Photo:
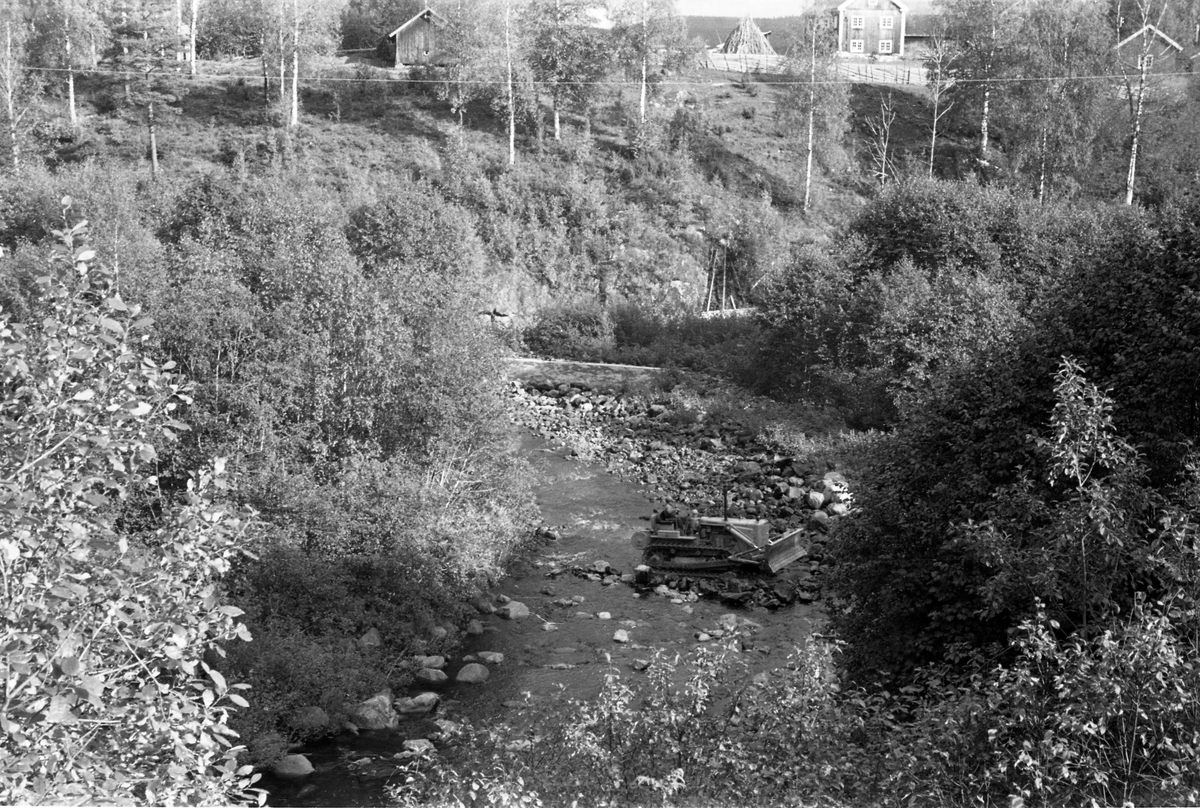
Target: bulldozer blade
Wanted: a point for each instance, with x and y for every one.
(784, 550)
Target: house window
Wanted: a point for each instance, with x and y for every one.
(856, 46)
(1145, 62)
(885, 22)
(885, 46)
(857, 22)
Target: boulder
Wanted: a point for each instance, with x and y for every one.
(490, 657)
(418, 704)
(431, 676)
(371, 639)
(439, 632)
(815, 499)
(621, 636)
(484, 606)
(472, 673)
(474, 628)
(728, 621)
(310, 720)
(430, 661)
(513, 610)
(376, 713)
(601, 567)
(603, 616)
(292, 766)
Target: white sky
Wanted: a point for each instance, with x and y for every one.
(726, 8)
(761, 8)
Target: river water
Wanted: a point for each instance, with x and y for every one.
(597, 513)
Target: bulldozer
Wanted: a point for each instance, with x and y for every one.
(716, 544)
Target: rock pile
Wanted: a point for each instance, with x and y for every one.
(699, 464)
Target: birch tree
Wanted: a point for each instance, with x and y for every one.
(939, 66)
(981, 31)
(568, 56)
(65, 36)
(817, 99)
(647, 32)
(491, 61)
(1137, 71)
(1053, 113)
(18, 84)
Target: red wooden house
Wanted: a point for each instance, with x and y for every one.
(871, 27)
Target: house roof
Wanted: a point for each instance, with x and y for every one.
(1156, 32)
(428, 12)
(902, 6)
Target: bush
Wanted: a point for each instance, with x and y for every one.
(108, 627)
(694, 731)
(581, 331)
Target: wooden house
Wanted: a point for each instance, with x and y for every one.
(871, 27)
(1163, 54)
(420, 41)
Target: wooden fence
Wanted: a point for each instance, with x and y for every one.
(860, 72)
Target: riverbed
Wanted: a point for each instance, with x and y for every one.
(567, 643)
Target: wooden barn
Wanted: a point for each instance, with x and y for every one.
(420, 41)
(871, 27)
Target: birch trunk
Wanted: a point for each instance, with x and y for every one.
(512, 109)
(10, 92)
(1131, 177)
(153, 140)
(812, 119)
(195, 19)
(645, 57)
(71, 75)
(295, 117)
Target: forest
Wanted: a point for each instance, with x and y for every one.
(250, 409)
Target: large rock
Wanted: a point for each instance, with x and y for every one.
(310, 720)
(472, 673)
(490, 657)
(430, 661)
(513, 610)
(376, 713)
(815, 499)
(292, 766)
(431, 676)
(418, 704)
(371, 639)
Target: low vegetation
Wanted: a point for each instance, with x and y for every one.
(253, 410)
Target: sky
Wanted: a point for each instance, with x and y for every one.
(725, 8)
(757, 8)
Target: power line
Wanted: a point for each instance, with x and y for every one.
(604, 83)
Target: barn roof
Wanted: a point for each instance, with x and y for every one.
(1156, 32)
(428, 14)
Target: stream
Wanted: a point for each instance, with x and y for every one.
(596, 513)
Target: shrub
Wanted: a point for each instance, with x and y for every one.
(106, 630)
(579, 330)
